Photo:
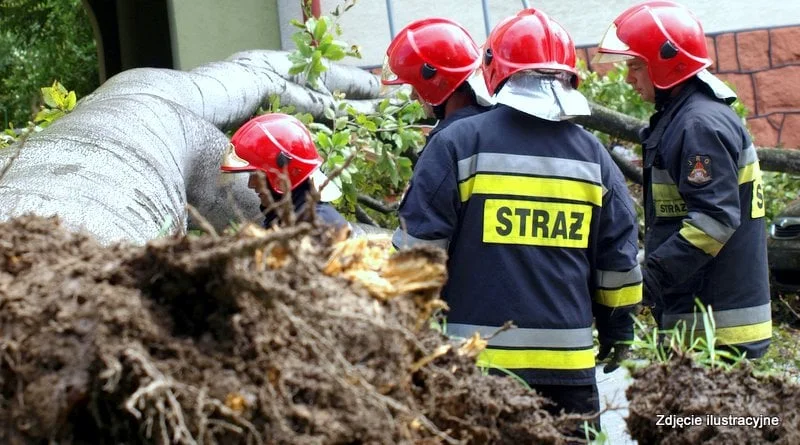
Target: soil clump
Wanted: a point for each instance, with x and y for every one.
(662, 393)
(293, 336)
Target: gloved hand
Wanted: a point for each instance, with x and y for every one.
(621, 352)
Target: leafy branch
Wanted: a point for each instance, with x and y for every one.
(317, 42)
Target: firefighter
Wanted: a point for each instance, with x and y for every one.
(278, 147)
(439, 59)
(704, 196)
(535, 217)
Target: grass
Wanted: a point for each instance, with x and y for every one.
(782, 359)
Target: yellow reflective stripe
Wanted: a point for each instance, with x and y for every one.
(700, 239)
(491, 184)
(749, 173)
(740, 334)
(666, 192)
(744, 334)
(625, 296)
(668, 201)
(536, 359)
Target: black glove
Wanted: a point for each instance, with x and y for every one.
(621, 351)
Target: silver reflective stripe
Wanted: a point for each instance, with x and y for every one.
(725, 319)
(711, 226)
(526, 337)
(402, 240)
(748, 156)
(609, 279)
(529, 165)
(660, 176)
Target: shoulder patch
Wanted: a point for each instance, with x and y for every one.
(700, 172)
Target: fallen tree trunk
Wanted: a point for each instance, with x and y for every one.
(130, 157)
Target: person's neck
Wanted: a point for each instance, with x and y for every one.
(457, 101)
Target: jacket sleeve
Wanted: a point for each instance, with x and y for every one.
(429, 209)
(618, 287)
(707, 177)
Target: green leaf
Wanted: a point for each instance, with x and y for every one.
(329, 113)
(71, 101)
(323, 141)
(320, 28)
(50, 97)
(334, 52)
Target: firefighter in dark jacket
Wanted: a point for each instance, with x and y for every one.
(439, 59)
(278, 151)
(536, 218)
(704, 197)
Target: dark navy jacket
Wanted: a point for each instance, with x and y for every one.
(325, 211)
(704, 213)
(540, 230)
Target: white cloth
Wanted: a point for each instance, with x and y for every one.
(330, 192)
(722, 91)
(544, 95)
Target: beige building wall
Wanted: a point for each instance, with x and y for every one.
(367, 23)
(205, 31)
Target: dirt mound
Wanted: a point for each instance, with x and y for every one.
(262, 337)
(681, 402)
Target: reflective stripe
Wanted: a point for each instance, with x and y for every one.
(726, 318)
(711, 226)
(660, 176)
(530, 166)
(403, 240)
(700, 239)
(536, 359)
(526, 337)
(616, 289)
(733, 326)
(625, 296)
(666, 192)
(748, 156)
(490, 184)
(749, 173)
(744, 334)
(610, 279)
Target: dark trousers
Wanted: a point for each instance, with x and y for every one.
(583, 399)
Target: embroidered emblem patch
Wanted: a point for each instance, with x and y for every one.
(700, 169)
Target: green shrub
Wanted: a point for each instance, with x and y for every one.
(42, 41)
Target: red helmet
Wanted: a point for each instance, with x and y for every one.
(272, 143)
(528, 41)
(433, 55)
(664, 34)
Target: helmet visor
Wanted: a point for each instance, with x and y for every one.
(611, 49)
(388, 77)
(231, 162)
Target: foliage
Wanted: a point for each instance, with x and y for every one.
(779, 190)
(376, 142)
(659, 346)
(612, 91)
(57, 101)
(40, 41)
(316, 42)
(782, 358)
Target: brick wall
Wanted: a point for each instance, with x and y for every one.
(764, 67)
